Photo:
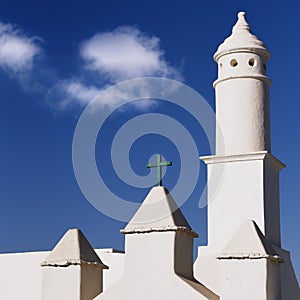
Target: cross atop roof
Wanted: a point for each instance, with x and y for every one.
(159, 164)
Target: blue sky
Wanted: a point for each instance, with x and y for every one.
(50, 69)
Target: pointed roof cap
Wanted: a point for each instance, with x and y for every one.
(158, 212)
(241, 39)
(73, 249)
(249, 243)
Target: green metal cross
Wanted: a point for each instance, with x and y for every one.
(159, 164)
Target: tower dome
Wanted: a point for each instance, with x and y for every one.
(241, 40)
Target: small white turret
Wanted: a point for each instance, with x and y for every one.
(158, 254)
(242, 93)
(72, 270)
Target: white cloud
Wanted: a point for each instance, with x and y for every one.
(82, 93)
(17, 51)
(69, 93)
(126, 53)
(122, 54)
(75, 92)
(108, 58)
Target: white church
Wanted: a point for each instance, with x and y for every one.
(243, 259)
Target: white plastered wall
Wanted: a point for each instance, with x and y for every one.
(241, 194)
(24, 271)
(249, 279)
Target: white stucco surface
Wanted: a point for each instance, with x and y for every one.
(243, 181)
(159, 254)
(158, 212)
(24, 270)
(72, 270)
(21, 275)
(242, 194)
(115, 260)
(242, 93)
(61, 283)
(241, 38)
(73, 248)
(246, 279)
(250, 266)
(243, 258)
(289, 284)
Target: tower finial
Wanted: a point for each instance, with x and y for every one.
(241, 23)
(241, 39)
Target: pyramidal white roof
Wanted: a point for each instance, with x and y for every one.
(241, 39)
(158, 212)
(249, 242)
(73, 249)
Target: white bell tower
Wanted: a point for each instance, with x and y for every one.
(248, 187)
(242, 93)
(243, 177)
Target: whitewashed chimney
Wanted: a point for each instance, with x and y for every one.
(72, 270)
(158, 254)
(243, 176)
(242, 93)
(250, 263)
(243, 181)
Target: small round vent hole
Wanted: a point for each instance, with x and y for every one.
(233, 63)
(251, 62)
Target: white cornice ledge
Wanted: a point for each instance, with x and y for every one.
(261, 155)
(72, 262)
(160, 229)
(274, 258)
(259, 77)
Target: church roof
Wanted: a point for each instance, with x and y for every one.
(158, 212)
(241, 39)
(73, 249)
(249, 243)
